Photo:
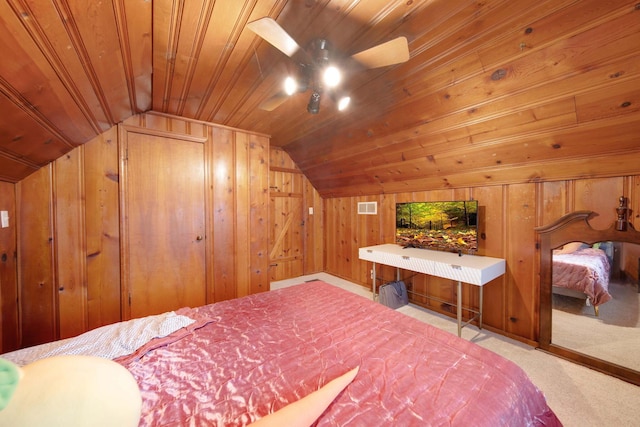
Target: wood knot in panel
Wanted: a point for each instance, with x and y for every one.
(498, 74)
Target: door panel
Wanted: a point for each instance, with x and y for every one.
(165, 224)
(286, 255)
(37, 294)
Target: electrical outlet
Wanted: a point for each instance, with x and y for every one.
(371, 274)
(4, 218)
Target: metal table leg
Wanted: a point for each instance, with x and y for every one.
(459, 308)
(374, 281)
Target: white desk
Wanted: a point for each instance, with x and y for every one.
(473, 269)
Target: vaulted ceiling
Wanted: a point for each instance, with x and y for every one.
(494, 91)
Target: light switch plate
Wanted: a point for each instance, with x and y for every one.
(4, 218)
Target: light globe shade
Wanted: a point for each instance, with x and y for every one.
(331, 76)
(290, 85)
(343, 103)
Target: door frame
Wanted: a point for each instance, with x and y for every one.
(123, 137)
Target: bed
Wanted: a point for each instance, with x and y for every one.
(582, 271)
(233, 362)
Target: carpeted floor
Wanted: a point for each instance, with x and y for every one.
(579, 396)
(613, 335)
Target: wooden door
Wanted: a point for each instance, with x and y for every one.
(286, 254)
(164, 227)
(9, 321)
(36, 281)
(287, 217)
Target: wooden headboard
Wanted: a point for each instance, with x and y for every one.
(575, 227)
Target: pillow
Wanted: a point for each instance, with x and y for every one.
(572, 247)
(10, 375)
(306, 411)
(607, 248)
(70, 391)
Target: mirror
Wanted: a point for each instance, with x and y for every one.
(608, 341)
(595, 301)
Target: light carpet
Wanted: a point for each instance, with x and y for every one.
(613, 335)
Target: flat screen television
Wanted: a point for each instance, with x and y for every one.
(445, 226)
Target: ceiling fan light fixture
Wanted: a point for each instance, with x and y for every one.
(343, 103)
(290, 85)
(317, 72)
(331, 76)
(314, 103)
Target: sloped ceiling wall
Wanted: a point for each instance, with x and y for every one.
(493, 93)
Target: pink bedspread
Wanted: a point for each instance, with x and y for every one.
(586, 270)
(256, 354)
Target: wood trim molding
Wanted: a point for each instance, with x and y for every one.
(125, 308)
(161, 133)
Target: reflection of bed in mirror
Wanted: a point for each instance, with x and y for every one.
(583, 271)
(607, 343)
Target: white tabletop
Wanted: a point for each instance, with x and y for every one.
(475, 269)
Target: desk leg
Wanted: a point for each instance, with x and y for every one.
(374, 281)
(459, 307)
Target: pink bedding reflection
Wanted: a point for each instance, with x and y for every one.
(586, 270)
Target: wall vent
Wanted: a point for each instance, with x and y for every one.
(367, 208)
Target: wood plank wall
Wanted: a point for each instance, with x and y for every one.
(508, 215)
(68, 222)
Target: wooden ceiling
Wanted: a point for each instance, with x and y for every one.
(495, 91)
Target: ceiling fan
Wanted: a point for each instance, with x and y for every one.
(318, 69)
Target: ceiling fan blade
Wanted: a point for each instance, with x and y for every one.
(274, 102)
(269, 30)
(392, 52)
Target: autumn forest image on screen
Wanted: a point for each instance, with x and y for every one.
(446, 226)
